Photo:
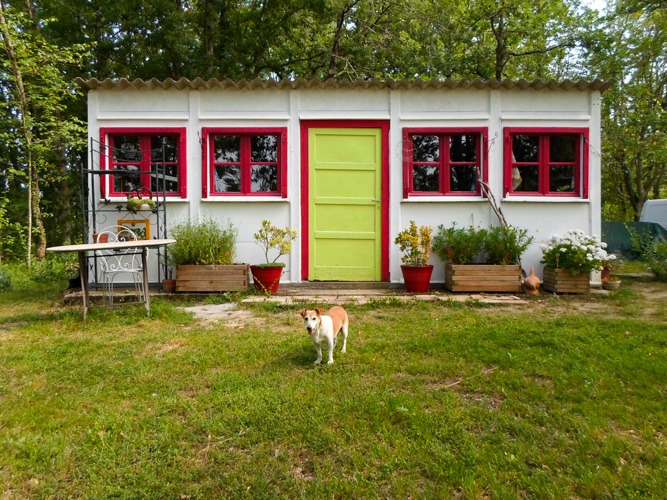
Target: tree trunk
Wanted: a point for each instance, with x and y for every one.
(34, 210)
(336, 45)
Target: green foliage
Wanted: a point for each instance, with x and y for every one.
(134, 204)
(576, 251)
(415, 243)
(54, 268)
(5, 278)
(650, 251)
(205, 242)
(505, 245)
(271, 237)
(459, 245)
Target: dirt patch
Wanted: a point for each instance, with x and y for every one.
(229, 313)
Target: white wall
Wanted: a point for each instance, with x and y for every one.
(494, 109)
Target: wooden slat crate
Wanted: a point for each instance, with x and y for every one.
(483, 278)
(205, 278)
(562, 281)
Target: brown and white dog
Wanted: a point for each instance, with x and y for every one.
(324, 328)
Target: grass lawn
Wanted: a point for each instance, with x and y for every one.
(561, 398)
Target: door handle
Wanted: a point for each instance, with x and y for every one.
(375, 200)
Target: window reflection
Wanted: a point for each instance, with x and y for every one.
(526, 148)
(264, 178)
(530, 178)
(426, 178)
(463, 148)
(426, 148)
(228, 178)
(562, 148)
(463, 178)
(264, 148)
(227, 149)
(561, 179)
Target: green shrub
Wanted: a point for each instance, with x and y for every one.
(54, 268)
(652, 252)
(657, 260)
(505, 245)
(5, 279)
(206, 242)
(462, 245)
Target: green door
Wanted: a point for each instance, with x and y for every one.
(344, 175)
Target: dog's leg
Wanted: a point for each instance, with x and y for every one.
(330, 346)
(319, 355)
(344, 331)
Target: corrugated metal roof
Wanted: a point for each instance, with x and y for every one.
(302, 83)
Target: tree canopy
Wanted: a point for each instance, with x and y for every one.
(358, 39)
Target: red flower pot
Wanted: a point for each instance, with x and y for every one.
(417, 278)
(266, 278)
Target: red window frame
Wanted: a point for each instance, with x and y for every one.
(107, 186)
(208, 160)
(444, 164)
(544, 135)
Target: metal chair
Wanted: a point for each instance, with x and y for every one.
(120, 261)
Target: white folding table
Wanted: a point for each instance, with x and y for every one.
(81, 249)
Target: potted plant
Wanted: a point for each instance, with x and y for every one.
(138, 203)
(415, 243)
(482, 260)
(610, 281)
(204, 255)
(168, 283)
(269, 237)
(569, 259)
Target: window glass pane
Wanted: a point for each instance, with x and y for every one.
(227, 148)
(129, 182)
(426, 178)
(126, 148)
(561, 148)
(426, 148)
(561, 179)
(528, 178)
(463, 148)
(228, 178)
(463, 178)
(263, 148)
(171, 178)
(170, 145)
(525, 148)
(264, 178)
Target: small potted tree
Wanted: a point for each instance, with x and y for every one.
(415, 243)
(267, 276)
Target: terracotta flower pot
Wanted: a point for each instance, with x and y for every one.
(267, 278)
(168, 286)
(100, 238)
(417, 278)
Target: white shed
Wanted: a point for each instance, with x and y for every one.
(349, 164)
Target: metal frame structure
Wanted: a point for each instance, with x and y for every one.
(96, 210)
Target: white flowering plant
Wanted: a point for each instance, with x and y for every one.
(576, 251)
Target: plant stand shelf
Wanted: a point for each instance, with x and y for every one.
(483, 278)
(562, 281)
(212, 278)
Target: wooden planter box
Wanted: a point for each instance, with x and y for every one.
(483, 278)
(562, 281)
(212, 278)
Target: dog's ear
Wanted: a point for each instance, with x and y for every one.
(318, 311)
(302, 312)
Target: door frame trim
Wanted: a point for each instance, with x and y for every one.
(383, 125)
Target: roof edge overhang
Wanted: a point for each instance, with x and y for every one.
(302, 83)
